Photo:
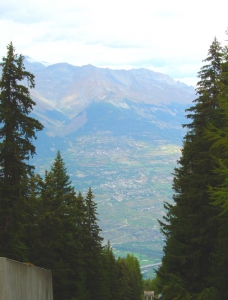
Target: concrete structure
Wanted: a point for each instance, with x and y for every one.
(148, 295)
(20, 281)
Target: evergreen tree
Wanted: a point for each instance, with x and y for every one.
(95, 273)
(123, 277)
(91, 220)
(219, 154)
(58, 243)
(111, 273)
(191, 225)
(33, 212)
(124, 284)
(17, 131)
(219, 261)
(136, 283)
(218, 135)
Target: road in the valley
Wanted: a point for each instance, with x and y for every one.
(151, 265)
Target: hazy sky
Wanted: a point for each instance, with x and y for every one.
(167, 36)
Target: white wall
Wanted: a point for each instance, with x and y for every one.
(19, 281)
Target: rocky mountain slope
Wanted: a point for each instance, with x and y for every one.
(66, 95)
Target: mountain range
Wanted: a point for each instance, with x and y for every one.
(119, 132)
(66, 95)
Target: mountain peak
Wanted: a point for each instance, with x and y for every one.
(34, 61)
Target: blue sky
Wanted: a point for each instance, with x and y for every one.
(171, 37)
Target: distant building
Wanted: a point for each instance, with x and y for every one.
(149, 295)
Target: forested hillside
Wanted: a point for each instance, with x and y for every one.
(43, 221)
(195, 261)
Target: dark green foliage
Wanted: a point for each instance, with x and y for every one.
(92, 251)
(195, 227)
(191, 224)
(111, 273)
(218, 135)
(174, 290)
(152, 285)
(219, 260)
(17, 130)
(210, 293)
(123, 277)
(57, 244)
(124, 290)
(219, 154)
(136, 283)
(90, 224)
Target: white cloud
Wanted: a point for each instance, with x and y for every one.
(170, 36)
